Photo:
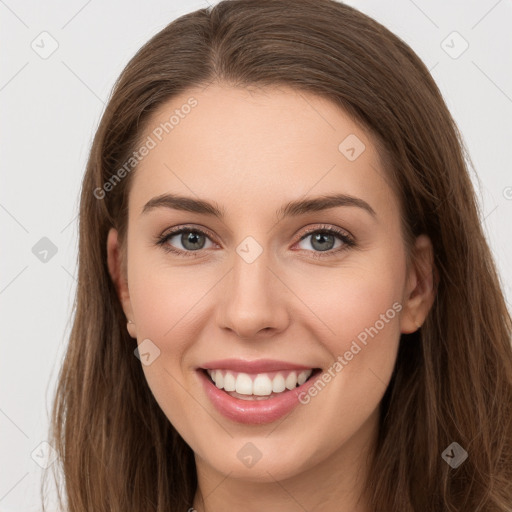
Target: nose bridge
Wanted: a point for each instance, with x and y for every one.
(252, 301)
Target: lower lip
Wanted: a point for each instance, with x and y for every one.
(254, 412)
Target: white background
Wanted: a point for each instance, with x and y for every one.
(51, 107)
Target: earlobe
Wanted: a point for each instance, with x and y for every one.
(115, 267)
(419, 293)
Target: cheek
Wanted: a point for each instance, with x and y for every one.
(359, 301)
(165, 306)
(165, 299)
(169, 308)
(361, 308)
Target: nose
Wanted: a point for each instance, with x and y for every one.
(252, 301)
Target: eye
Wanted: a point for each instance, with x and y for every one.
(323, 240)
(190, 240)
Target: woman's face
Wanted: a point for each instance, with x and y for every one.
(255, 277)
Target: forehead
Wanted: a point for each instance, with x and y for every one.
(254, 144)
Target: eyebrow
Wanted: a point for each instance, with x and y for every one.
(291, 209)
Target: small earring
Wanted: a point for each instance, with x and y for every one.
(128, 323)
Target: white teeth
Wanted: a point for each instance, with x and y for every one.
(243, 384)
(303, 377)
(262, 385)
(219, 379)
(291, 381)
(278, 384)
(229, 382)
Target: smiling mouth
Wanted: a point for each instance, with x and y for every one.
(260, 386)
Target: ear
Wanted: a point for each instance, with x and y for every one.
(115, 268)
(419, 292)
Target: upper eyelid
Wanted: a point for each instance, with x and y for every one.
(177, 230)
(331, 229)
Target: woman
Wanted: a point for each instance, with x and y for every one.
(285, 298)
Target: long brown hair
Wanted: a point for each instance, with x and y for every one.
(452, 380)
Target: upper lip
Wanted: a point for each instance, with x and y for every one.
(255, 366)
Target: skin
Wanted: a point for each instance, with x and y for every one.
(250, 151)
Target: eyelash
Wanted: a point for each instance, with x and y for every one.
(348, 242)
